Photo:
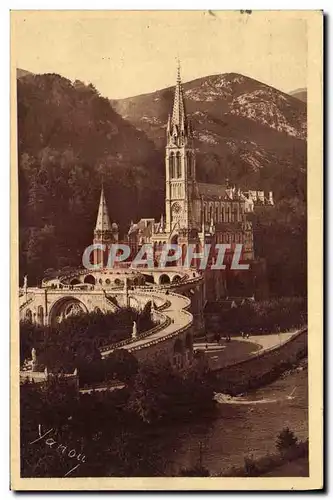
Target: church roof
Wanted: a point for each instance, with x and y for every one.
(143, 227)
(103, 221)
(229, 227)
(212, 190)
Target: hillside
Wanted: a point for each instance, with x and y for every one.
(245, 130)
(20, 73)
(300, 94)
(70, 140)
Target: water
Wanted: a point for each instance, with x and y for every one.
(248, 426)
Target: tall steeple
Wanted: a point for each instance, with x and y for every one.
(178, 126)
(179, 165)
(103, 221)
(105, 233)
(178, 112)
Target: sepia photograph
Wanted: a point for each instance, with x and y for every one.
(166, 249)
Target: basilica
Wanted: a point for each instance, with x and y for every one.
(196, 213)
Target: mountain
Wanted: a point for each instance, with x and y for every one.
(245, 130)
(300, 94)
(20, 73)
(70, 139)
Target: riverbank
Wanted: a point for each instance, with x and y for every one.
(261, 367)
(223, 439)
(275, 464)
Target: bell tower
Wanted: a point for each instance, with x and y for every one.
(105, 233)
(179, 165)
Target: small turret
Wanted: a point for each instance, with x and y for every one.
(162, 224)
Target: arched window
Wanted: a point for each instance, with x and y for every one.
(172, 165)
(206, 211)
(228, 218)
(178, 165)
(189, 163)
(28, 315)
(40, 315)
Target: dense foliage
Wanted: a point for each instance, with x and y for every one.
(267, 316)
(75, 342)
(70, 139)
(157, 388)
(108, 428)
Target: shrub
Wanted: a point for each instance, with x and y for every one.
(286, 440)
(250, 467)
(196, 471)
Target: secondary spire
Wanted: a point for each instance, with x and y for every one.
(103, 221)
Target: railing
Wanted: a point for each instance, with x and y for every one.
(115, 306)
(26, 303)
(165, 337)
(164, 306)
(111, 347)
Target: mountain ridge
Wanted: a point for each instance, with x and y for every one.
(242, 127)
(301, 94)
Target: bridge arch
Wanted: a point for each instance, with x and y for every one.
(90, 279)
(176, 279)
(149, 278)
(66, 307)
(75, 281)
(164, 279)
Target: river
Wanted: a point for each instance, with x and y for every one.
(249, 426)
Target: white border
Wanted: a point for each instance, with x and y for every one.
(4, 176)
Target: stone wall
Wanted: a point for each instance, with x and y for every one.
(261, 368)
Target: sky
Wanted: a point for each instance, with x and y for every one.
(134, 52)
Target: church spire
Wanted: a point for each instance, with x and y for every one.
(103, 221)
(179, 119)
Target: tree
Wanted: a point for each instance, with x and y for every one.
(120, 364)
(286, 440)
